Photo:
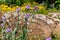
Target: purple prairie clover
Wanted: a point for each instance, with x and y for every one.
(8, 30)
(27, 7)
(27, 16)
(3, 18)
(48, 38)
(2, 24)
(18, 9)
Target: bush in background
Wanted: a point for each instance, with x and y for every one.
(14, 2)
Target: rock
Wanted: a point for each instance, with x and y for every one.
(50, 21)
(54, 15)
(59, 24)
(37, 25)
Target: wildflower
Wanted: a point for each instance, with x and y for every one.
(27, 7)
(23, 8)
(26, 18)
(18, 9)
(2, 24)
(31, 7)
(8, 30)
(41, 7)
(3, 18)
(27, 15)
(35, 3)
(48, 38)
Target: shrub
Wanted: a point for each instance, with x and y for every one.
(15, 2)
(57, 4)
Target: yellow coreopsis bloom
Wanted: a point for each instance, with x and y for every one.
(41, 7)
(4, 9)
(9, 8)
(14, 8)
(35, 2)
(25, 4)
(2, 5)
(23, 8)
(31, 8)
(28, 3)
(5, 6)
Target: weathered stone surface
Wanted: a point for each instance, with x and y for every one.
(39, 24)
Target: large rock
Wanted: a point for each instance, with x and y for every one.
(37, 25)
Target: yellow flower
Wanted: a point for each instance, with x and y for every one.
(14, 8)
(31, 7)
(4, 5)
(17, 6)
(28, 3)
(4, 9)
(35, 2)
(23, 8)
(9, 9)
(25, 4)
(41, 7)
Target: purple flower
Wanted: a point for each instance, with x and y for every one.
(3, 18)
(18, 9)
(2, 24)
(8, 30)
(27, 16)
(48, 38)
(27, 7)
